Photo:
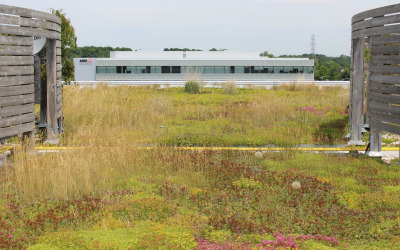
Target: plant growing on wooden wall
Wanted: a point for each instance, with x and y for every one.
(68, 42)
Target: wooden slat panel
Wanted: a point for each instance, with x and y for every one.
(16, 130)
(16, 50)
(393, 79)
(385, 108)
(385, 69)
(16, 60)
(59, 98)
(385, 49)
(385, 59)
(16, 70)
(16, 90)
(383, 30)
(385, 98)
(16, 40)
(382, 40)
(384, 88)
(16, 120)
(17, 110)
(16, 100)
(376, 22)
(59, 106)
(376, 13)
(16, 80)
(23, 31)
(5, 9)
(384, 126)
(384, 117)
(29, 22)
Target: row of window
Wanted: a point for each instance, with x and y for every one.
(204, 70)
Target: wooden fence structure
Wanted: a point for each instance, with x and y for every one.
(375, 61)
(18, 94)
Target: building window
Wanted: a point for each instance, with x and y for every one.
(209, 70)
(111, 70)
(166, 69)
(101, 70)
(176, 69)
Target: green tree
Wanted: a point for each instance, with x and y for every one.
(267, 54)
(68, 42)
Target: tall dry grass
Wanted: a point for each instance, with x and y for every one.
(94, 171)
(113, 115)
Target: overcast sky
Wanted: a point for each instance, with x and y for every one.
(278, 26)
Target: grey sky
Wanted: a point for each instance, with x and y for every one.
(280, 27)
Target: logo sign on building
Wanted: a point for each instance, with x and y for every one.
(85, 61)
(38, 44)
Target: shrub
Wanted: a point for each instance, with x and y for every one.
(192, 87)
(229, 87)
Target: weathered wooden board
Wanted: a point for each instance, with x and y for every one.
(385, 69)
(16, 120)
(11, 10)
(385, 98)
(395, 8)
(393, 79)
(16, 40)
(29, 22)
(16, 100)
(383, 40)
(16, 130)
(382, 30)
(385, 117)
(17, 110)
(384, 89)
(16, 70)
(17, 90)
(385, 49)
(377, 124)
(16, 50)
(16, 60)
(375, 22)
(26, 31)
(385, 59)
(16, 80)
(385, 108)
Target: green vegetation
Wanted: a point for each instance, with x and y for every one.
(179, 49)
(329, 68)
(129, 198)
(289, 115)
(112, 194)
(68, 42)
(94, 52)
(192, 87)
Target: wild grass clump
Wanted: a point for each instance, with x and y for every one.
(192, 87)
(229, 87)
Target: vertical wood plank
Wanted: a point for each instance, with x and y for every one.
(357, 83)
(52, 129)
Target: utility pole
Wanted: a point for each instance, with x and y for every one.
(313, 44)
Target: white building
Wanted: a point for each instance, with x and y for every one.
(201, 65)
